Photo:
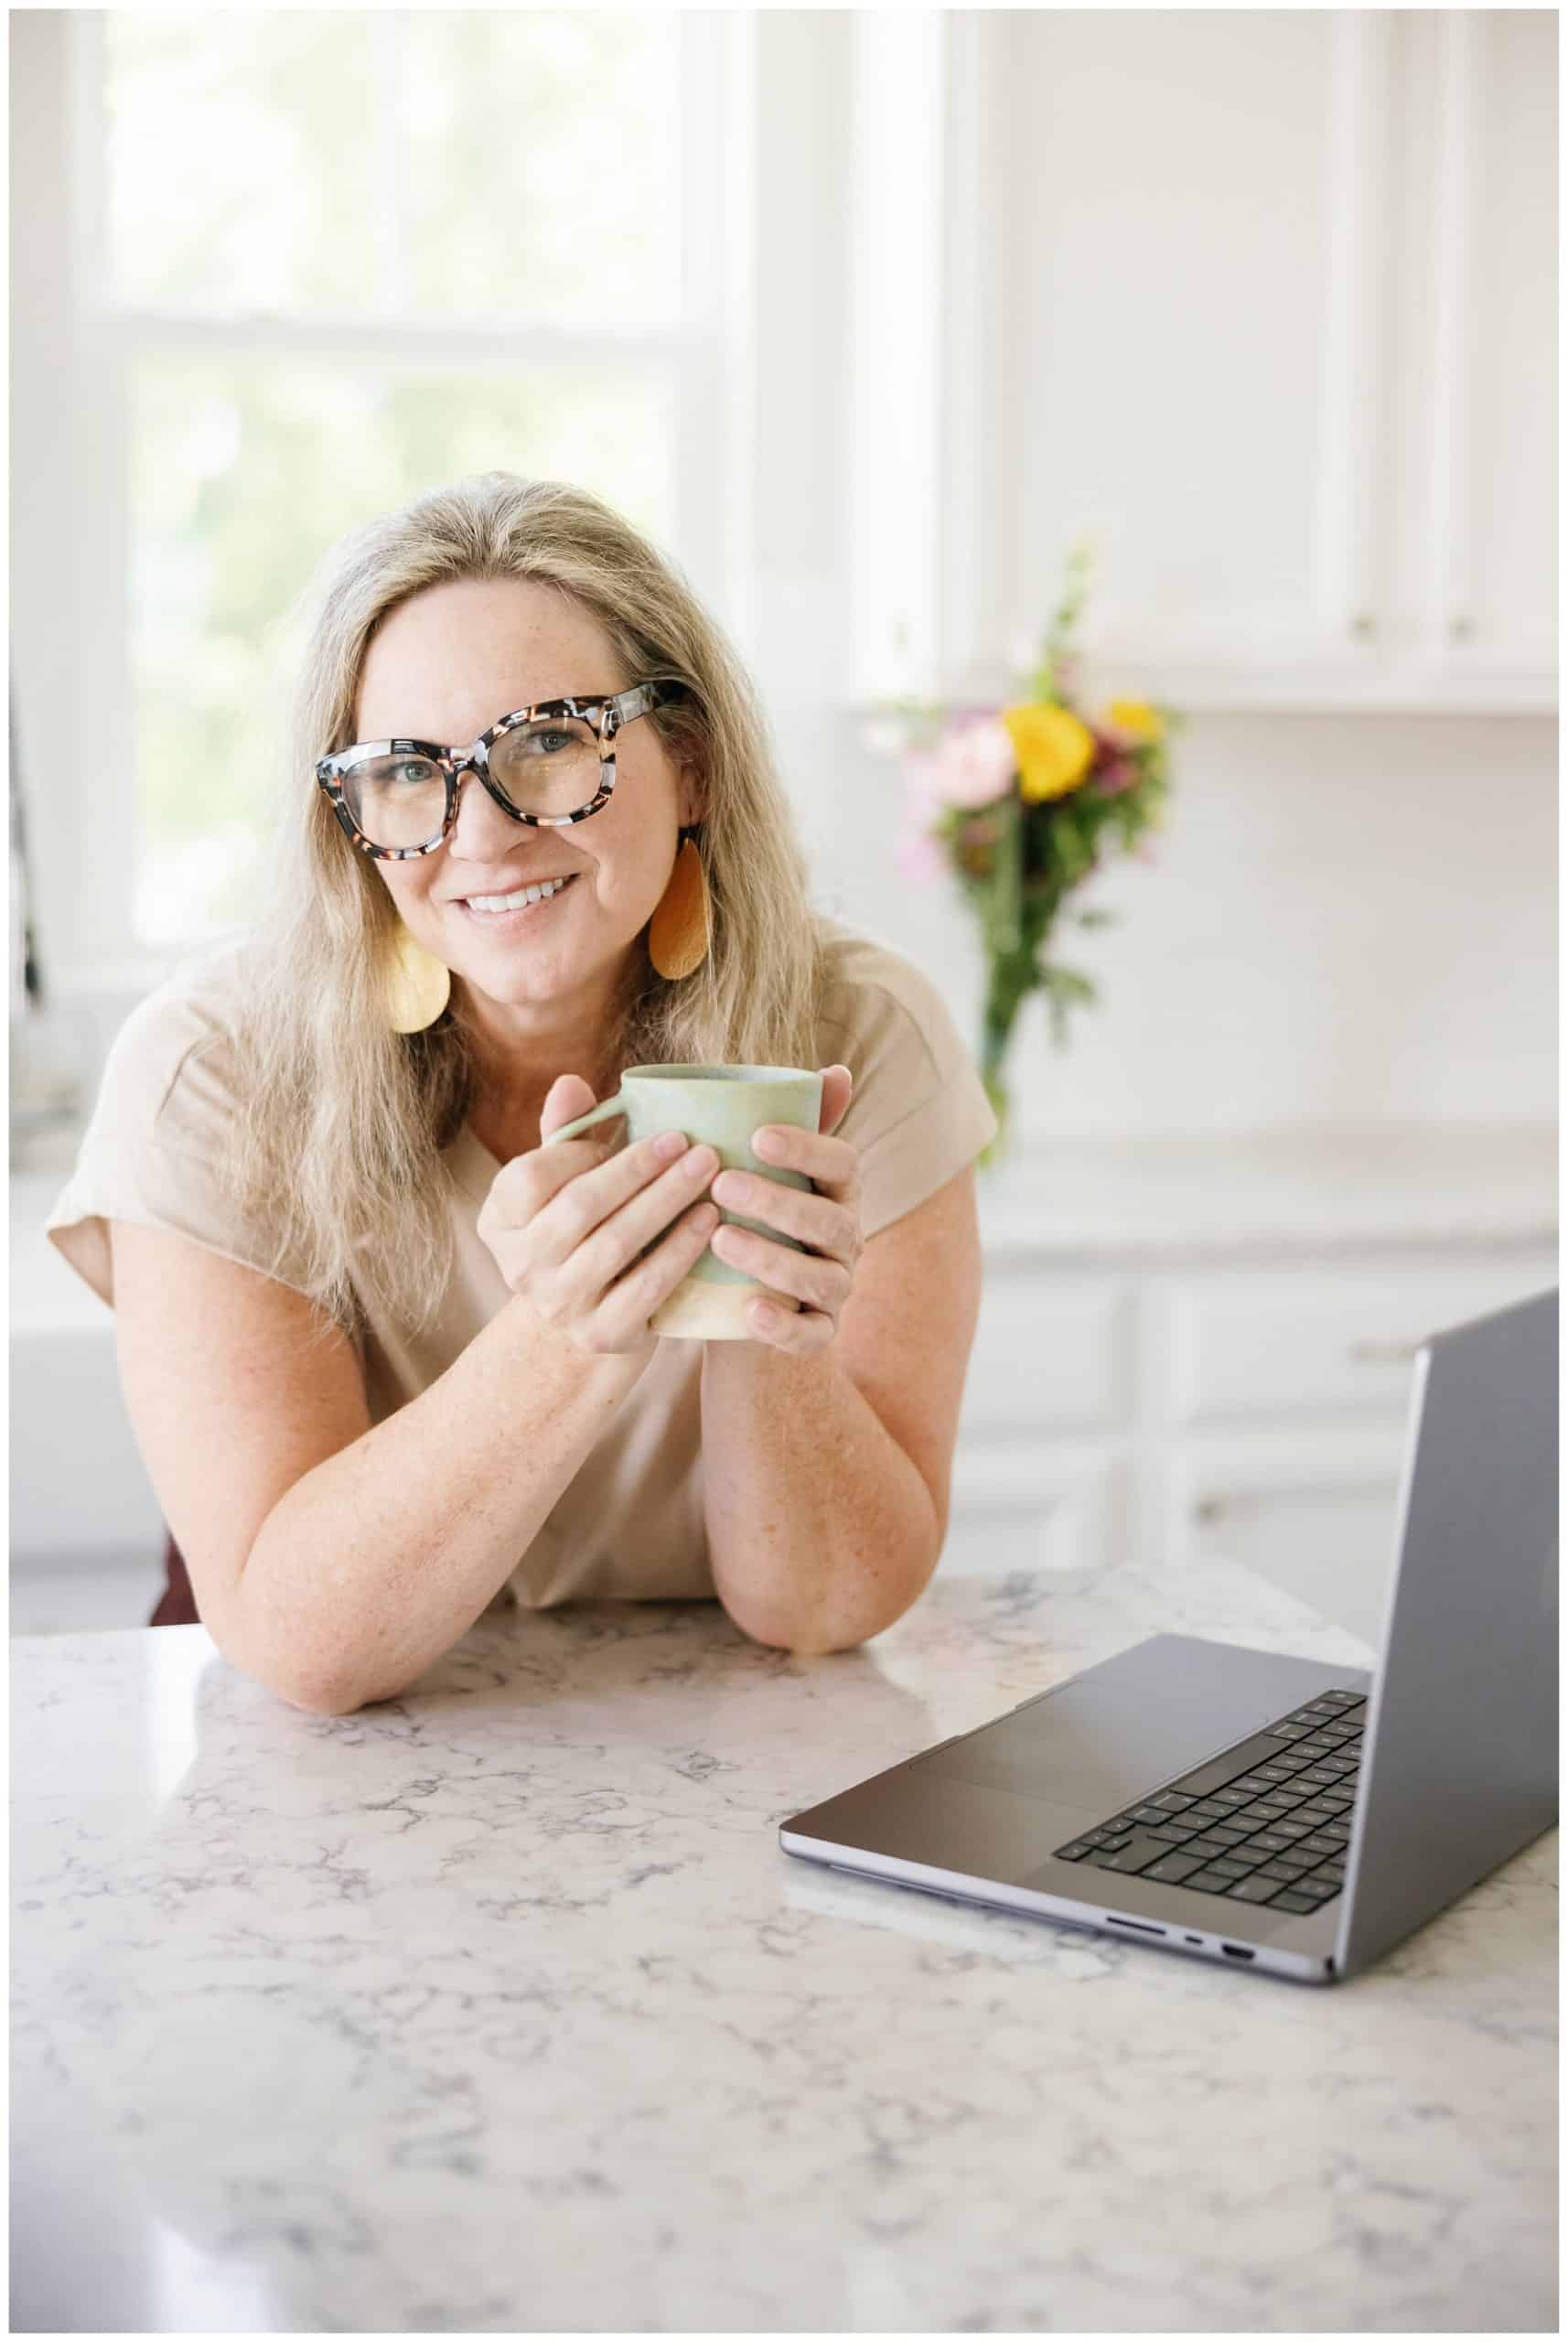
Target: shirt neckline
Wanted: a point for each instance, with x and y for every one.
(472, 1164)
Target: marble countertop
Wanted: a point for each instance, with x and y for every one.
(498, 2007)
(1278, 1193)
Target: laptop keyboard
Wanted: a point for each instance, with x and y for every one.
(1267, 1823)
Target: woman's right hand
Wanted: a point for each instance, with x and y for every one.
(567, 1225)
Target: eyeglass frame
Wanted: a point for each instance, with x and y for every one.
(610, 711)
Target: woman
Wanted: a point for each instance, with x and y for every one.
(387, 1357)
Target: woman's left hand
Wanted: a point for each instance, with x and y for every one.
(826, 1223)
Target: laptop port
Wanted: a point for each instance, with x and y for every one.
(1238, 1951)
(1144, 1926)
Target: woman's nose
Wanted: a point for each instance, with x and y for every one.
(480, 827)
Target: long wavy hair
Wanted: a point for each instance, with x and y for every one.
(342, 1120)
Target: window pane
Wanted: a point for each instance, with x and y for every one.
(538, 169)
(515, 163)
(241, 475)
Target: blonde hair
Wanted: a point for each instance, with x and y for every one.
(342, 1120)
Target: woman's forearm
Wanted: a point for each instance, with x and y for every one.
(820, 1530)
(378, 1560)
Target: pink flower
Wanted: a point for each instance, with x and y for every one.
(922, 786)
(974, 763)
(1119, 773)
(920, 858)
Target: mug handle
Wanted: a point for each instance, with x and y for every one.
(600, 1113)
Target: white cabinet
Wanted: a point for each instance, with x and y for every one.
(1167, 1409)
(1284, 343)
(1325, 1341)
(1057, 1505)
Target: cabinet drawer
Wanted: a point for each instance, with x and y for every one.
(1313, 1513)
(1057, 1508)
(1257, 1343)
(1049, 1353)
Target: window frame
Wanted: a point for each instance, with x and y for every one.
(71, 547)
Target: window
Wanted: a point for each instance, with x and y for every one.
(319, 262)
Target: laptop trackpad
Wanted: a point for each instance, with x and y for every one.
(1115, 1732)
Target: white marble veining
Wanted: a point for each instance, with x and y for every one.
(498, 2007)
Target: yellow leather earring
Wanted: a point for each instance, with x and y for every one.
(415, 986)
(679, 931)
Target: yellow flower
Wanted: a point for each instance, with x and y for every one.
(1134, 716)
(1055, 750)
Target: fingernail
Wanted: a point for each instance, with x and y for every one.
(668, 1144)
(768, 1142)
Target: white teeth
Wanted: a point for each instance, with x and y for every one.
(515, 902)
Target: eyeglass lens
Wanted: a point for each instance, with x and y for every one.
(547, 767)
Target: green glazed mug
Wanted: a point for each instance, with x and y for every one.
(722, 1104)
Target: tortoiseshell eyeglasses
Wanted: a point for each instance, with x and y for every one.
(549, 766)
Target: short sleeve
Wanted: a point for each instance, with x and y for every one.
(920, 1111)
(163, 1127)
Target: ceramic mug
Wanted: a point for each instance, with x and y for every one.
(722, 1104)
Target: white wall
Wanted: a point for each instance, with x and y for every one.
(1351, 919)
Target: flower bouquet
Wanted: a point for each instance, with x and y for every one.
(1022, 804)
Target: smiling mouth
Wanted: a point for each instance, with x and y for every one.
(523, 899)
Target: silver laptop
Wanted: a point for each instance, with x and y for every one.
(1297, 1815)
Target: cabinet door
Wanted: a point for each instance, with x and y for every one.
(1312, 1513)
(1331, 1340)
(1058, 1508)
(1051, 1353)
(1475, 469)
(1179, 320)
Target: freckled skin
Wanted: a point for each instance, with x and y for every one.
(444, 666)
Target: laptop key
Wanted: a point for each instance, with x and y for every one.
(1210, 1881)
(1253, 1889)
(1174, 1868)
(1075, 1853)
(1140, 1851)
(1221, 1771)
(1289, 1900)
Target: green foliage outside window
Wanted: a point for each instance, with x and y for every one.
(433, 171)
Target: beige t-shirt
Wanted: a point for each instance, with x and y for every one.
(631, 1522)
